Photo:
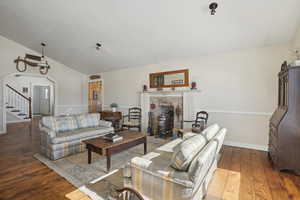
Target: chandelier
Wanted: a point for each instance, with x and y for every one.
(33, 61)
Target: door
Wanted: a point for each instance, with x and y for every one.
(95, 96)
(41, 100)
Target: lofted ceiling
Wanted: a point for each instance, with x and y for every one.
(140, 32)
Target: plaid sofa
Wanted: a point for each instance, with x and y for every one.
(62, 136)
(155, 178)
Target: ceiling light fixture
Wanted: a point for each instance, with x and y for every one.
(213, 6)
(98, 46)
(33, 61)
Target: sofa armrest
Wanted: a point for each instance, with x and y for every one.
(141, 166)
(46, 136)
(51, 133)
(105, 123)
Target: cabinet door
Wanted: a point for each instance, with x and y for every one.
(95, 96)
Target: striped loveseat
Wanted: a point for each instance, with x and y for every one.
(62, 136)
(180, 169)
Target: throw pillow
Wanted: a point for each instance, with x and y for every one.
(210, 131)
(67, 123)
(186, 151)
(88, 120)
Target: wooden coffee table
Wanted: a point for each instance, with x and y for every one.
(105, 148)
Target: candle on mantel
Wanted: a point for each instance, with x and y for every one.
(145, 88)
(194, 85)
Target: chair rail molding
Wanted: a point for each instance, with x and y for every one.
(64, 106)
(234, 112)
(71, 109)
(238, 112)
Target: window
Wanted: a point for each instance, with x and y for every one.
(46, 93)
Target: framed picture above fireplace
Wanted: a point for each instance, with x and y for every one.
(178, 78)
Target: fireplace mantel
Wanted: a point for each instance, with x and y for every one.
(188, 97)
(167, 92)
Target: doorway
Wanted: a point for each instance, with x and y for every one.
(42, 100)
(95, 95)
(24, 84)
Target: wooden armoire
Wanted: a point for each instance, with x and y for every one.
(284, 136)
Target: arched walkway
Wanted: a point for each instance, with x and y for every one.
(26, 95)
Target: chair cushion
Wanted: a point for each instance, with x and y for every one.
(210, 131)
(60, 124)
(88, 120)
(185, 152)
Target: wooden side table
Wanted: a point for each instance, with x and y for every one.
(114, 117)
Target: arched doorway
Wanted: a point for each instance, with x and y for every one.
(26, 95)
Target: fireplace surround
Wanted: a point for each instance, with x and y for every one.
(152, 100)
(162, 116)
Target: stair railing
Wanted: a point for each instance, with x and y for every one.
(19, 101)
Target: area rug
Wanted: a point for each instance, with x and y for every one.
(76, 170)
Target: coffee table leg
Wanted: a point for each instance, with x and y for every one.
(145, 147)
(108, 160)
(89, 156)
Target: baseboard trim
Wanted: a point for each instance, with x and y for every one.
(18, 121)
(245, 145)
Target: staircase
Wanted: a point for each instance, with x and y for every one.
(17, 104)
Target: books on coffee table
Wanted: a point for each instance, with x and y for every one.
(113, 137)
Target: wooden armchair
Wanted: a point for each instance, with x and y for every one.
(199, 124)
(134, 119)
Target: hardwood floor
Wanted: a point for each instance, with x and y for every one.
(21, 175)
(243, 173)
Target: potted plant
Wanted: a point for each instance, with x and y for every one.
(114, 107)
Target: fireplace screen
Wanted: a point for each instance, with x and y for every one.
(165, 115)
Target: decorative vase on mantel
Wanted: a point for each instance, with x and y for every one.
(194, 86)
(145, 89)
(114, 107)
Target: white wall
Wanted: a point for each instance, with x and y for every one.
(71, 85)
(239, 89)
(297, 39)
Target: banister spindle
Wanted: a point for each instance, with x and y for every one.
(18, 101)
(22, 106)
(15, 100)
(8, 97)
(30, 109)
